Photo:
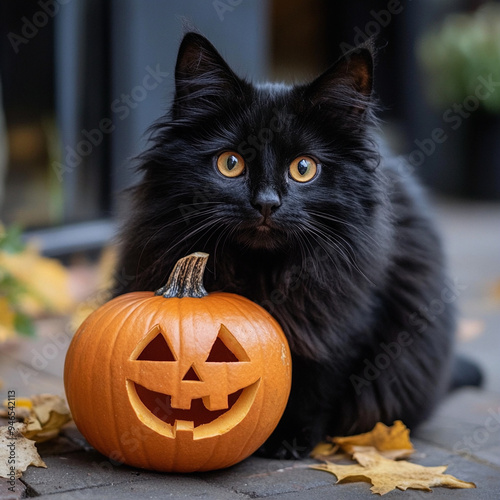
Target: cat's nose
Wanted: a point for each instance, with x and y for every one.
(266, 201)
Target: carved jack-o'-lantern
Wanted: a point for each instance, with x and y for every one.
(180, 380)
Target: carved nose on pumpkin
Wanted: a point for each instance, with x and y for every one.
(191, 374)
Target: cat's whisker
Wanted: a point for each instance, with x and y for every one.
(336, 235)
(204, 231)
(200, 226)
(319, 231)
(302, 242)
(164, 227)
(177, 207)
(226, 233)
(345, 223)
(313, 254)
(346, 252)
(329, 230)
(315, 231)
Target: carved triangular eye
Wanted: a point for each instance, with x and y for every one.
(220, 353)
(155, 347)
(226, 349)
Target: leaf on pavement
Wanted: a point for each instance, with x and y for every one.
(43, 414)
(391, 442)
(16, 452)
(386, 475)
(49, 414)
(325, 451)
(22, 409)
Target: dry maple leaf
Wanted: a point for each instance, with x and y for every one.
(43, 414)
(49, 414)
(391, 442)
(390, 454)
(386, 475)
(325, 451)
(23, 408)
(394, 439)
(16, 452)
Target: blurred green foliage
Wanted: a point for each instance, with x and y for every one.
(12, 318)
(454, 55)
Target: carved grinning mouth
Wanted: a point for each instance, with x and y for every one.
(154, 409)
(160, 406)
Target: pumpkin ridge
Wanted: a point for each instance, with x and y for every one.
(115, 312)
(124, 318)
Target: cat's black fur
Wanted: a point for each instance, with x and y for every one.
(349, 263)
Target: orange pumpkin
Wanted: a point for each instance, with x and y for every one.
(180, 380)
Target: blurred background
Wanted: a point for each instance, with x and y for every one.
(81, 81)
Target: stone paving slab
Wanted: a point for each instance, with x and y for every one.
(24, 379)
(467, 424)
(165, 487)
(59, 446)
(6, 494)
(480, 406)
(260, 478)
(466, 439)
(80, 470)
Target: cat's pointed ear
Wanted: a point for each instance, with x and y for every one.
(201, 74)
(348, 83)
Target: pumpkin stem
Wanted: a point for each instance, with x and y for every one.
(186, 280)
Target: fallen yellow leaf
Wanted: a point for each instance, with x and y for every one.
(20, 402)
(391, 442)
(23, 408)
(48, 415)
(13, 445)
(43, 414)
(386, 475)
(324, 451)
(391, 454)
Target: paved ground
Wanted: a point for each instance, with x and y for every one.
(464, 433)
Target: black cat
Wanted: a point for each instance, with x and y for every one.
(288, 191)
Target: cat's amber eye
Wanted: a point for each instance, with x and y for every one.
(303, 169)
(230, 164)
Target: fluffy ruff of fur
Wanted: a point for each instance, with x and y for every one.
(349, 264)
